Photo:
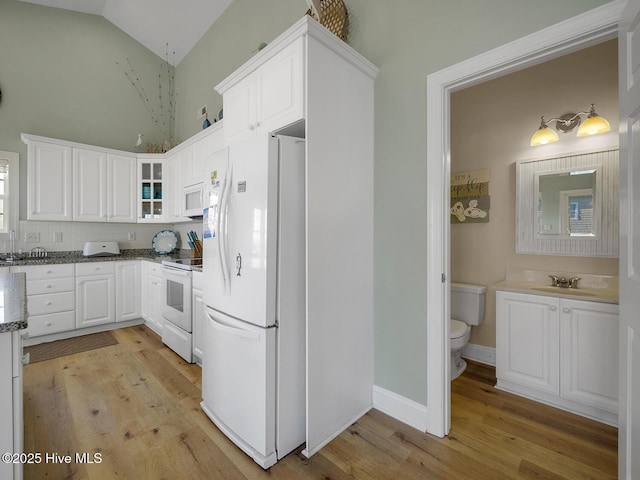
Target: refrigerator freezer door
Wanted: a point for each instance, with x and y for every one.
(240, 247)
(238, 383)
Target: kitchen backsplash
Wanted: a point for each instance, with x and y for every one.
(69, 236)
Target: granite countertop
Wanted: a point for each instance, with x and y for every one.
(594, 288)
(76, 257)
(13, 289)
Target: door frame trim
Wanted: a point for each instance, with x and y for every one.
(579, 32)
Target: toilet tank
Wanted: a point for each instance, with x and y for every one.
(467, 303)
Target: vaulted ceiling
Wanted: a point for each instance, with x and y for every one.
(163, 26)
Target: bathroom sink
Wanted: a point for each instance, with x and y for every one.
(564, 291)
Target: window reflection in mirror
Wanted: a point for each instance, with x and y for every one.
(566, 205)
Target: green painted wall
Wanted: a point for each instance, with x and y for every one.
(67, 86)
(59, 78)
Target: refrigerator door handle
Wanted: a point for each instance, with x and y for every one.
(221, 226)
(224, 237)
(232, 330)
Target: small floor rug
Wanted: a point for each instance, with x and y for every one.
(69, 346)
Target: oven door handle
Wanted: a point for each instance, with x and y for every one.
(176, 271)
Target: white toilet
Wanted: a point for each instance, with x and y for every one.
(467, 309)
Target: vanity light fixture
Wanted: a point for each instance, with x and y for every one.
(593, 125)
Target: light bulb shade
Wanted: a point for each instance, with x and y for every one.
(543, 136)
(593, 125)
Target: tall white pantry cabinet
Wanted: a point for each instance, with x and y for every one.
(309, 83)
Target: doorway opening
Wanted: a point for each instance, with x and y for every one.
(588, 29)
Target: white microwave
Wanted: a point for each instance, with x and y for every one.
(192, 201)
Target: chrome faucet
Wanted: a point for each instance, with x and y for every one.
(563, 282)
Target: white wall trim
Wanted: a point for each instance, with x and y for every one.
(401, 408)
(480, 353)
(589, 28)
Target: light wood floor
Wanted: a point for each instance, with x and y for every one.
(137, 405)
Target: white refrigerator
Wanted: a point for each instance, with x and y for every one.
(253, 366)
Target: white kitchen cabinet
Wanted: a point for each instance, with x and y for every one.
(190, 163)
(49, 180)
(151, 189)
(559, 351)
(269, 98)
(172, 168)
(11, 420)
(153, 292)
(205, 143)
(121, 188)
(89, 185)
(95, 294)
(74, 182)
(104, 186)
(197, 309)
(128, 287)
(50, 298)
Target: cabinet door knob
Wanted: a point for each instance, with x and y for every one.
(566, 310)
(49, 286)
(48, 303)
(553, 308)
(48, 324)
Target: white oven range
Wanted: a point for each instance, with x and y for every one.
(177, 331)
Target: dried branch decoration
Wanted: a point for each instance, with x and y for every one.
(162, 114)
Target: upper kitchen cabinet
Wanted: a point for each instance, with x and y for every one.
(49, 179)
(201, 145)
(267, 95)
(309, 83)
(104, 186)
(184, 167)
(68, 181)
(121, 188)
(151, 188)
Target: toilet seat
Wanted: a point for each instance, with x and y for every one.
(457, 329)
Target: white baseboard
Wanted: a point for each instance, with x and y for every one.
(401, 408)
(478, 353)
(413, 413)
(30, 341)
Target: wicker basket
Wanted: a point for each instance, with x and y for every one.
(333, 16)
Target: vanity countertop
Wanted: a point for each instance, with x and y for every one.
(13, 289)
(604, 295)
(594, 288)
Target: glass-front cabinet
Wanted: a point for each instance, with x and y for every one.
(151, 195)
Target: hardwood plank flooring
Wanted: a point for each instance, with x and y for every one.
(136, 407)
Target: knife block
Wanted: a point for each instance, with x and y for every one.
(196, 251)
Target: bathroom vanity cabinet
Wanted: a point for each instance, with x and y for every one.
(559, 351)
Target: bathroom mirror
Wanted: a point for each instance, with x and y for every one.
(568, 205)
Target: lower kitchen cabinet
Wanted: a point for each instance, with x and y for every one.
(197, 314)
(128, 289)
(95, 294)
(152, 295)
(559, 351)
(11, 420)
(50, 298)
